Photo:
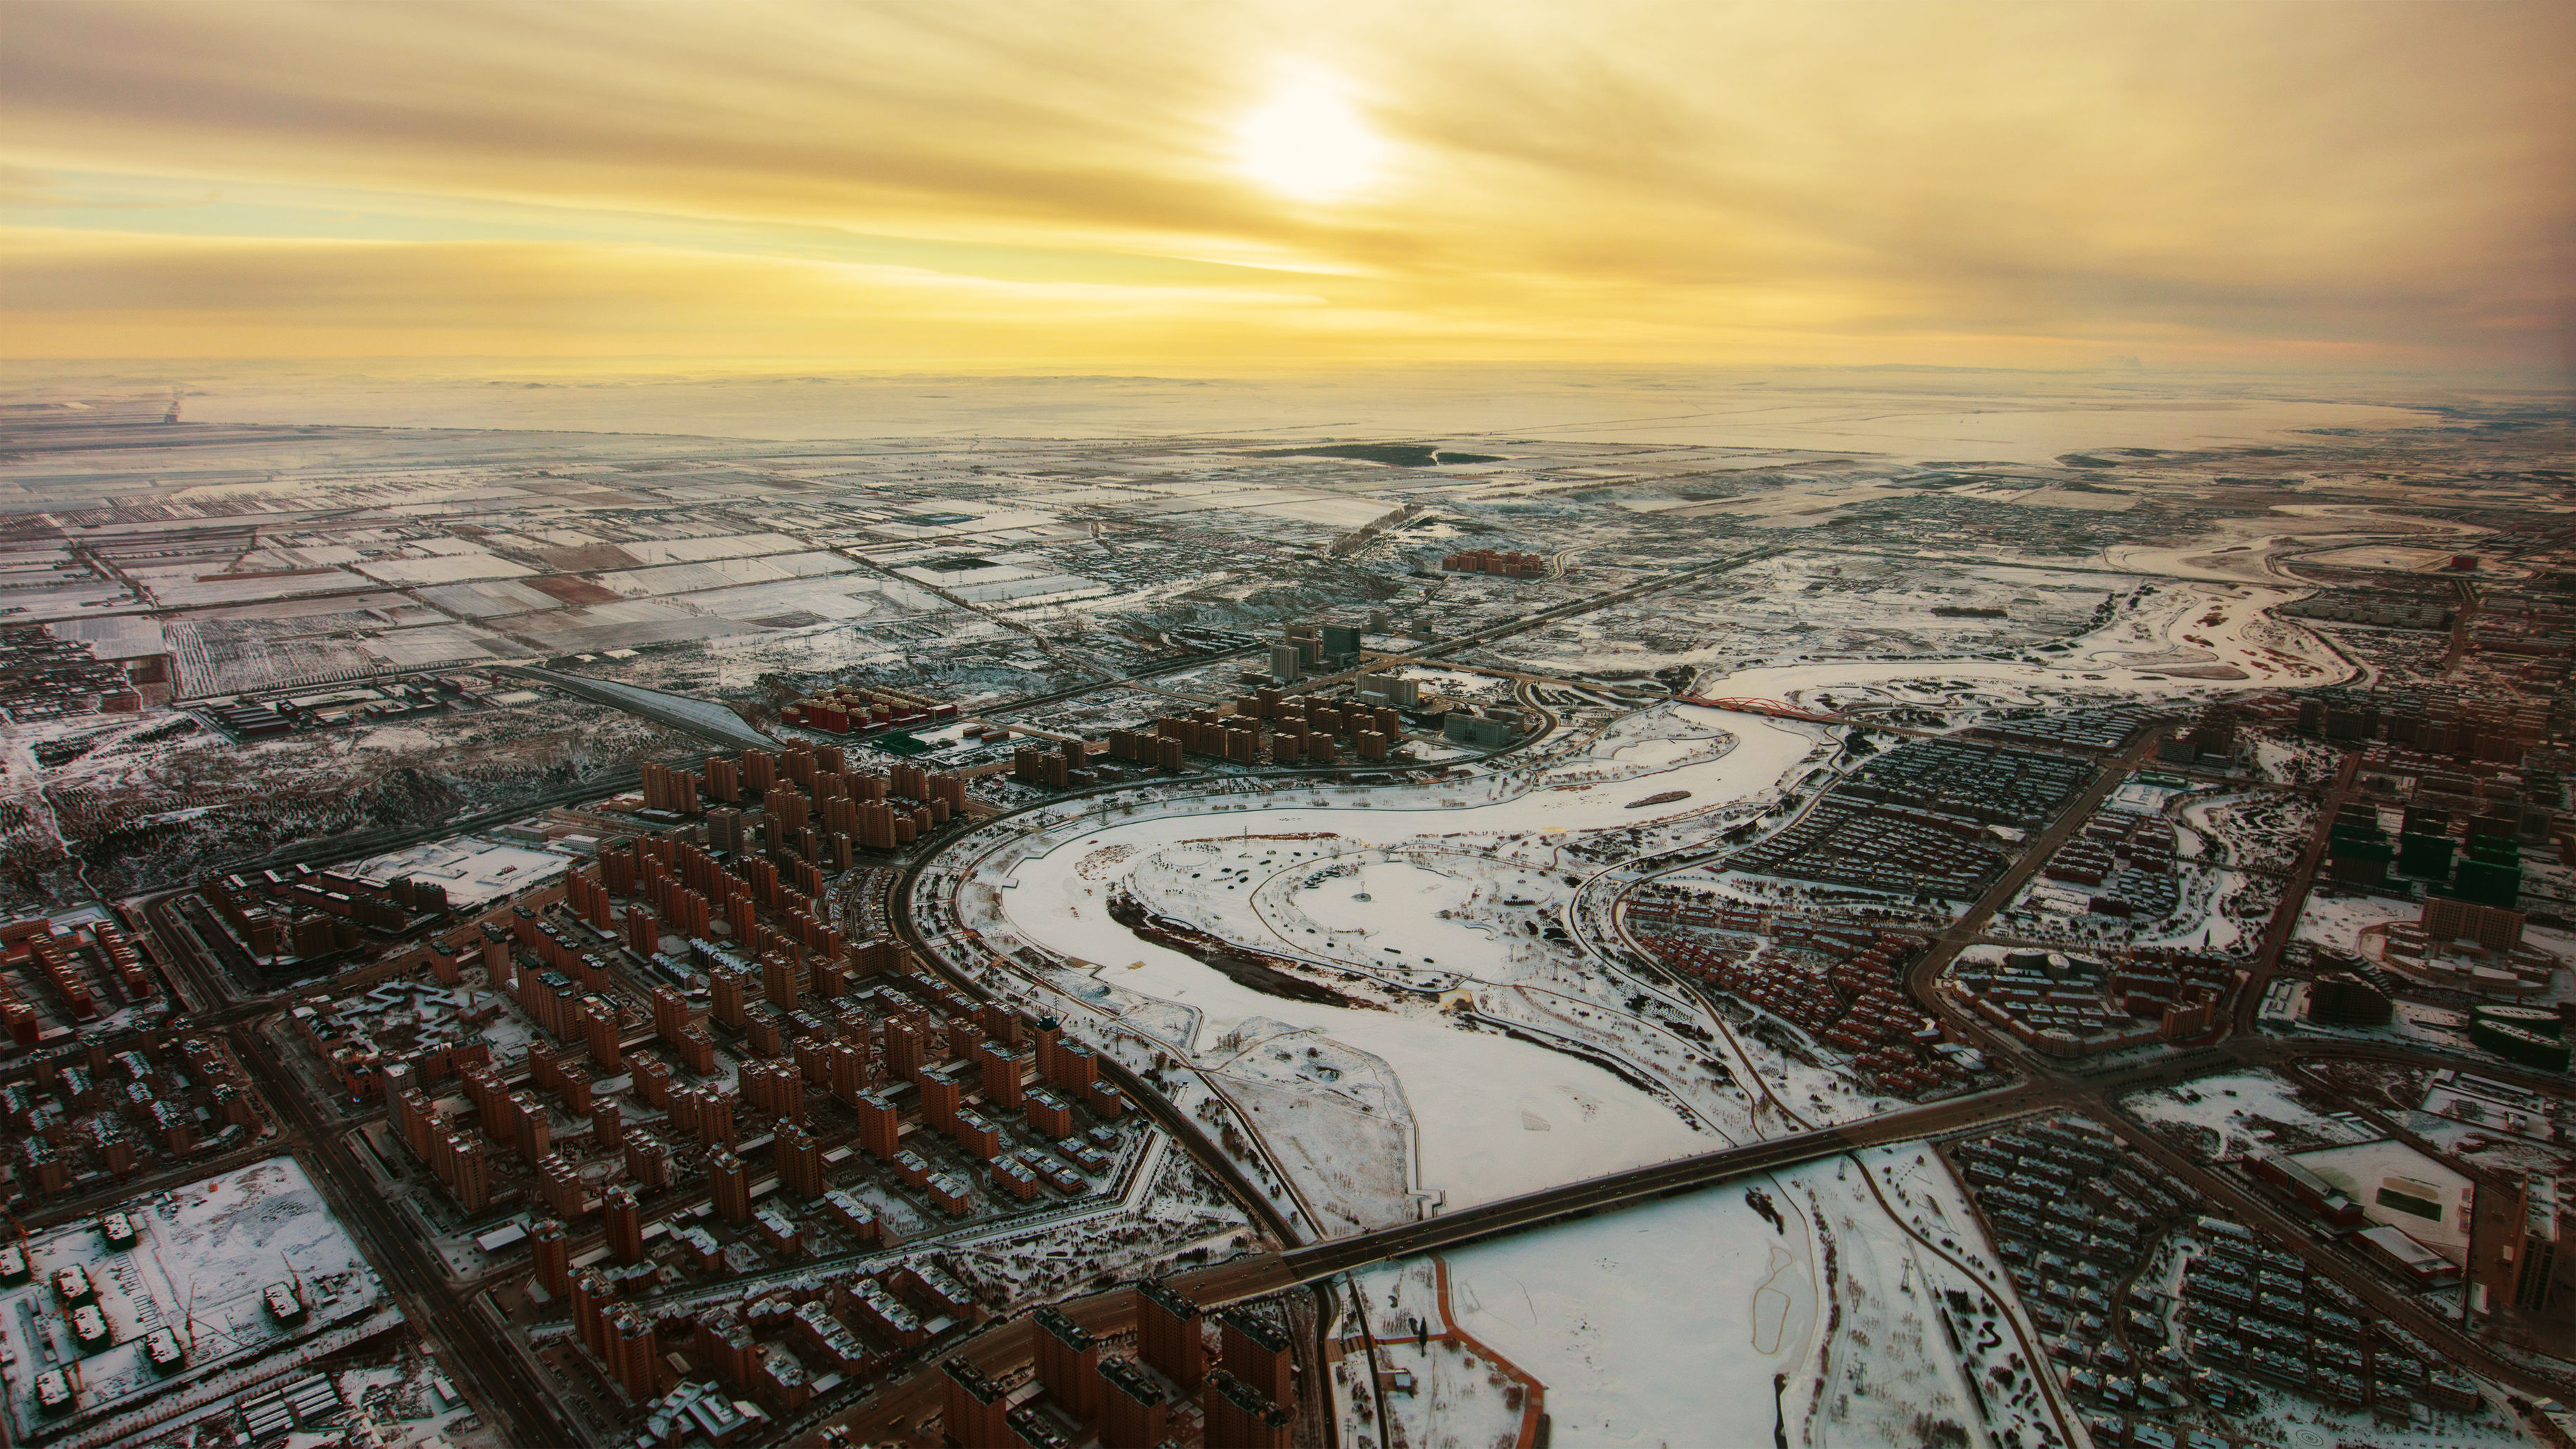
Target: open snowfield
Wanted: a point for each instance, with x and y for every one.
(2188, 637)
(451, 568)
(472, 870)
(2336, 922)
(1487, 1109)
(2252, 550)
(2243, 1112)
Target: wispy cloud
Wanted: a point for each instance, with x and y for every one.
(1041, 184)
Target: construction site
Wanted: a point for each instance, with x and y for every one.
(175, 1304)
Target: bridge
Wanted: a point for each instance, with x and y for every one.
(1772, 707)
(704, 718)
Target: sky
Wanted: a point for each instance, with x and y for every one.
(1194, 187)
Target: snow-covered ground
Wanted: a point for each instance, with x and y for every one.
(207, 1252)
(1443, 1388)
(2336, 922)
(1480, 1101)
(2261, 830)
(2248, 550)
(2483, 1146)
(2181, 639)
(1797, 1304)
(2244, 1112)
(2284, 760)
(473, 870)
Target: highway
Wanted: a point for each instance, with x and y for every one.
(1643, 1184)
(504, 1389)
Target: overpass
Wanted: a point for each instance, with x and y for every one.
(1777, 709)
(1641, 1184)
(688, 714)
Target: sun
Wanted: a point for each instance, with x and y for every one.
(1307, 141)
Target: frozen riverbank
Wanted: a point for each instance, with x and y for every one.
(1493, 1115)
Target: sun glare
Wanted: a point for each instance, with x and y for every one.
(1307, 141)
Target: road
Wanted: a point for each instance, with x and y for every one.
(1920, 978)
(2294, 895)
(503, 1387)
(1634, 1186)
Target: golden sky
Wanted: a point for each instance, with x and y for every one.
(1201, 186)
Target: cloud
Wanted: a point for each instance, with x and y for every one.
(1955, 180)
(91, 294)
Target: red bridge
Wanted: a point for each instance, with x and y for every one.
(1771, 707)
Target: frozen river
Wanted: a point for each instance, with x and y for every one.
(1494, 1116)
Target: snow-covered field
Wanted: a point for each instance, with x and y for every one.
(1479, 1100)
(472, 870)
(2337, 922)
(2184, 637)
(2243, 1112)
(446, 568)
(2249, 550)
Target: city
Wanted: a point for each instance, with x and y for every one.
(1684, 724)
(1164, 942)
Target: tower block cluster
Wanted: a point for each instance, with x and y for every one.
(1139, 1400)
